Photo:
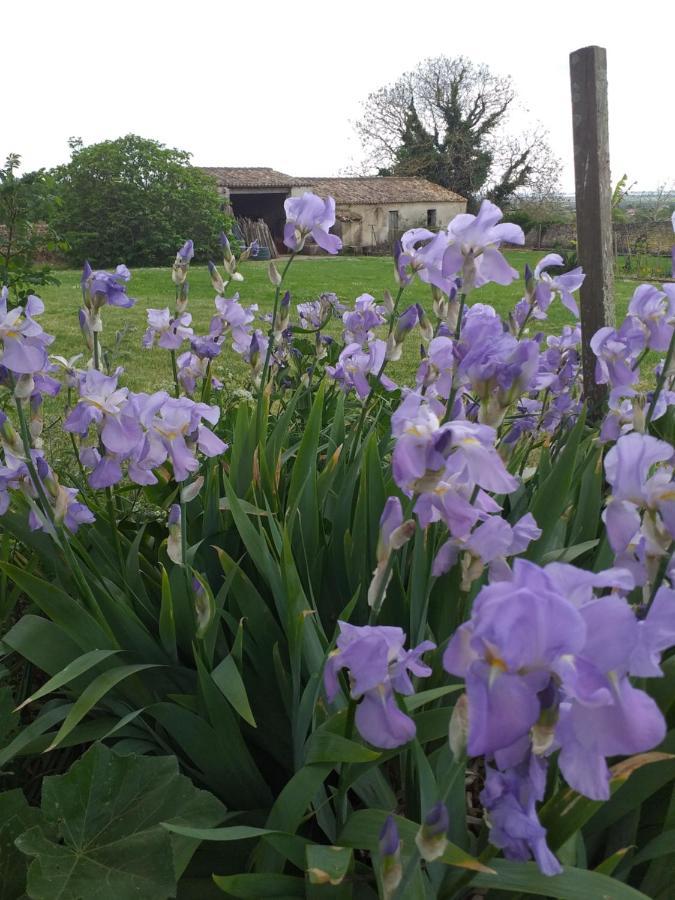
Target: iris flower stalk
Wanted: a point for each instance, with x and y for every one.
(378, 375)
(62, 542)
(268, 354)
(661, 380)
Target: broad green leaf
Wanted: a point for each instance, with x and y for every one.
(90, 696)
(16, 816)
(573, 884)
(325, 747)
(226, 675)
(258, 886)
(78, 667)
(108, 843)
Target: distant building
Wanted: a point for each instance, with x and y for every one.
(371, 211)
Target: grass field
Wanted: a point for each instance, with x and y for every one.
(307, 278)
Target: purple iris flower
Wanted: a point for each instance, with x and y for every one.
(436, 370)
(420, 252)
(547, 286)
(191, 369)
(617, 353)
(425, 449)
(178, 430)
(602, 714)
(474, 246)
(233, 318)
(310, 215)
(655, 309)
(356, 363)
(518, 631)
(206, 347)
(23, 340)
(490, 543)
(166, 330)
(510, 799)
(362, 320)
(378, 666)
(109, 288)
(640, 514)
(186, 252)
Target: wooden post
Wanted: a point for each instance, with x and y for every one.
(588, 77)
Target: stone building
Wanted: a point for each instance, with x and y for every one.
(371, 211)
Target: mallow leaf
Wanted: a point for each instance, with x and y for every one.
(106, 840)
(15, 817)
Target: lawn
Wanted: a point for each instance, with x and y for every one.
(348, 277)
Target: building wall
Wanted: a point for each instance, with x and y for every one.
(374, 228)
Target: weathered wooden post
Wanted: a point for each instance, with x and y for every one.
(588, 76)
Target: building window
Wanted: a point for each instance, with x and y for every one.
(431, 218)
(393, 222)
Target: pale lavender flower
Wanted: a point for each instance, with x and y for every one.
(473, 251)
(362, 320)
(378, 666)
(166, 330)
(23, 340)
(310, 215)
(355, 365)
(617, 353)
(548, 286)
(655, 309)
(108, 288)
(510, 799)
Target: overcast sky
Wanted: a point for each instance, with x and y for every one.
(254, 82)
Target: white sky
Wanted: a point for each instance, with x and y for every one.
(256, 82)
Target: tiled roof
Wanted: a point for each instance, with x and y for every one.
(258, 177)
(380, 189)
(366, 189)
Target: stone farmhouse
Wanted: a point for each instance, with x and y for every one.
(371, 211)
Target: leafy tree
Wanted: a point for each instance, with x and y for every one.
(447, 121)
(136, 201)
(27, 205)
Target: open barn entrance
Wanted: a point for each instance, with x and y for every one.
(267, 205)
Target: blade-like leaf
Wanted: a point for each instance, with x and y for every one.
(98, 688)
(573, 884)
(78, 667)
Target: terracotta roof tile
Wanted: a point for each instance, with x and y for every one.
(258, 177)
(380, 189)
(365, 189)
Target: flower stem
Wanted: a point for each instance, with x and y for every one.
(366, 402)
(97, 352)
(174, 369)
(268, 353)
(661, 379)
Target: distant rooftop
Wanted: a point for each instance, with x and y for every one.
(255, 177)
(381, 189)
(369, 189)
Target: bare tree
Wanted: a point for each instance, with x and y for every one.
(447, 120)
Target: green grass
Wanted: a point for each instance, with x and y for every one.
(307, 278)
